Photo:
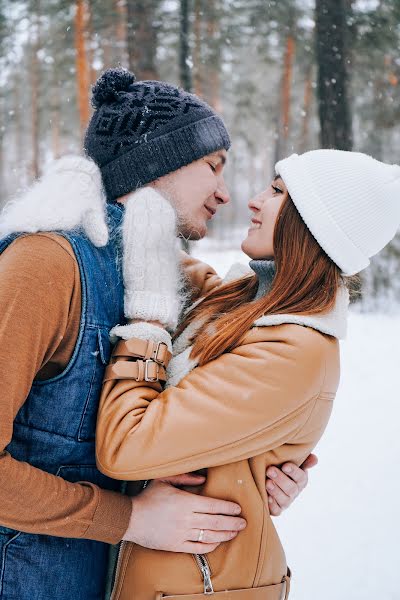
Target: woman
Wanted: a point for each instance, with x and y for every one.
(255, 364)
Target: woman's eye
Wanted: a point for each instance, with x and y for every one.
(213, 168)
(276, 189)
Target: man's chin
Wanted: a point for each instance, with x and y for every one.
(192, 234)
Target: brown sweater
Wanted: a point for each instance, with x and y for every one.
(40, 304)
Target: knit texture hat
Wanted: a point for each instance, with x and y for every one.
(349, 201)
(142, 130)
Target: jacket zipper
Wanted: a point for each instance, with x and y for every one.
(117, 570)
(204, 567)
(201, 562)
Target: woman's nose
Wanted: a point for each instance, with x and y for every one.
(255, 204)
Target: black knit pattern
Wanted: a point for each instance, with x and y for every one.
(143, 130)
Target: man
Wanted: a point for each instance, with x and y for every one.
(60, 294)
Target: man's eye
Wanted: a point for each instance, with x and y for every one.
(276, 189)
(213, 167)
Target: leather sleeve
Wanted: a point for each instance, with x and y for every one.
(240, 405)
(200, 276)
(39, 284)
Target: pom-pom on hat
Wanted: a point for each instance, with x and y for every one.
(349, 201)
(142, 130)
(110, 84)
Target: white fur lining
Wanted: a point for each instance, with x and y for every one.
(179, 366)
(69, 196)
(143, 331)
(236, 271)
(332, 323)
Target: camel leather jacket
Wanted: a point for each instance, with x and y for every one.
(266, 402)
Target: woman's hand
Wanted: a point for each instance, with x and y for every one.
(285, 484)
(151, 259)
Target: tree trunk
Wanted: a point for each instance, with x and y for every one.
(34, 81)
(82, 69)
(212, 83)
(142, 38)
(287, 85)
(55, 122)
(306, 109)
(197, 64)
(19, 128)
(121, 30)
(332, 54)
(185, 68)
(92, 44)
(283, 113)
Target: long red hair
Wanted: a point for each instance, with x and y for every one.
(306, 281)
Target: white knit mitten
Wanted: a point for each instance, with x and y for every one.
(69, 196)
(151, 259)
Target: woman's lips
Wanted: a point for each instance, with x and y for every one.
(254, 225)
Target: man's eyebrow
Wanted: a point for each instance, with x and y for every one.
(221, 157)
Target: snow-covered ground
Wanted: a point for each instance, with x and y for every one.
(342, 536)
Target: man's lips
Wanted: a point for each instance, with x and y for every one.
(211, 210)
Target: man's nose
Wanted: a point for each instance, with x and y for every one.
(222, 193)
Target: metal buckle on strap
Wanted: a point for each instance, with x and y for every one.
(146, 371)
(155, 357)
(286, 586)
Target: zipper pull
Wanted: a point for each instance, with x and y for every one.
(208, 586)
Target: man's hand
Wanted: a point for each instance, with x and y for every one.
(285, 484)
(166, 518)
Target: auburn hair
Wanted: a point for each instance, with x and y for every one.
(306, 281)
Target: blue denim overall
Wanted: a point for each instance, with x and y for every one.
(54, 431)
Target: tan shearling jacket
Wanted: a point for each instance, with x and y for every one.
(266, 402)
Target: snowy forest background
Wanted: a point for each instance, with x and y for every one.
(287, 76)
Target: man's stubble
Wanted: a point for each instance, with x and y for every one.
(186, 228)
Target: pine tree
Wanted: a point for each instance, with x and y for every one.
(142, 37)
(82, 67)
(35, 36)
(184, 47)
(332, 54)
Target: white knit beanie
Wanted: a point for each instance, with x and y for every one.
(349, 201)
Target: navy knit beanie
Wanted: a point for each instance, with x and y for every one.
(141, 130)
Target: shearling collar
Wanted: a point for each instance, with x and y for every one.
(332, 323)
(68, 197)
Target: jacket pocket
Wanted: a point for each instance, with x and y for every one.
(279, 591)
(101, 357)
(142, 573)
(7, 539)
